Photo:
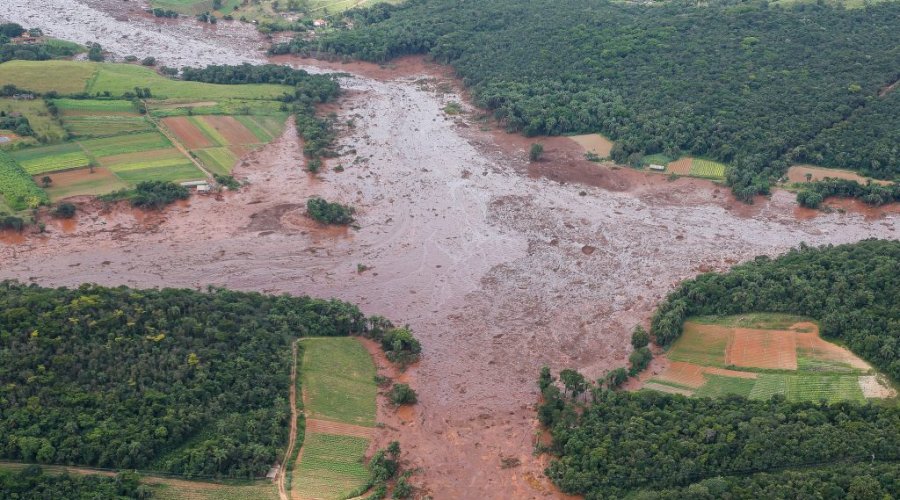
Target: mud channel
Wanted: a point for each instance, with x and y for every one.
(498, 265)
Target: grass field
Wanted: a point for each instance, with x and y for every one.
(65, 77)
(760, 355)
(178, 172)
(331, 466)
(104, 126)
(338, 381)
(46, 128)
(94, 106)
(120, 78)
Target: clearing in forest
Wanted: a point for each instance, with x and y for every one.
(594, 143)
(760, 355)
(798, 174)
(339, 400)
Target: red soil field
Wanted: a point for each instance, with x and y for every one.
(681, 166)
(187, 133)
(232, 130)
(686, 374)
(762, 349)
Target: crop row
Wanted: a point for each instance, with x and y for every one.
(17, 187)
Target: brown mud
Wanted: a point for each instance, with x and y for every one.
(479, 250)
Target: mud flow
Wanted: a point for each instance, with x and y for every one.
(499, 265)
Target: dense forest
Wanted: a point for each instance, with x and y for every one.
(852, 481)
(31, 483)
(852, 290)
(179, 381)
(752, 84)
(628, 441)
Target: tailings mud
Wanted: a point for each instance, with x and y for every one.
(487, 263)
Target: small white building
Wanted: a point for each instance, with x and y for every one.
(658, 168)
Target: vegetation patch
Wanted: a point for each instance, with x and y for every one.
(65, 77)
(44, 126)
(130, 143)
(332, 466)
(218, 363)
(338, 381)
(218, 160)
(16, 187)
(85, 181)
(51, 158)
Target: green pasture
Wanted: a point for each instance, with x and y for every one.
(707, 169)
(338, 380)
(46, 128)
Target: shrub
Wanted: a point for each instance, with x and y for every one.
(156, 194)
(227, 181)
(537, 150)
(809, 198)
(329, 212)
(402, 394)
(639, 337)
(639, 360)
(400, 346)
(149, 61)
(64, 211)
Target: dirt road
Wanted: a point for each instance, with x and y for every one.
(499, 266)
(292, 436)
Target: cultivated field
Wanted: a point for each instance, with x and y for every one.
(339, 394)
(760, 355)
(65, 77)
(220, 140)
(696, 167)
(80, 182)
(84, 118)
(16, 187)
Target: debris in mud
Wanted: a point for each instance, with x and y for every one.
(509, 462)
(587, 249)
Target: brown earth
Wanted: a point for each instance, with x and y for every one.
(188, 133)
(477, 249)
(752, 348)
(797, 173)
(681, 166)
(594, 143)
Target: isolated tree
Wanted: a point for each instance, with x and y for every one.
(537, 150)
(639, 337)
(808, 177)
(46, 181)
(546, 378)
(573, 381)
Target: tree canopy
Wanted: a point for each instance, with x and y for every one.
(171, 380)
(753, 84)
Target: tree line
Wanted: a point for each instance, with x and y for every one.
(755, 85)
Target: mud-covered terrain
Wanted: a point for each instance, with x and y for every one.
(124, 28)
(499, 266)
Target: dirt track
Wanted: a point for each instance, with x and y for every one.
(499, 266)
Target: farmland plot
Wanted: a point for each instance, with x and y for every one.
(16, 187)
(761, 355)
(52, 158)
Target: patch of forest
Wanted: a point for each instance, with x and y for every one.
(752, 84)
(172, 380)
(853, 291)
(624, 442)
(610, 444)
(32, 483)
